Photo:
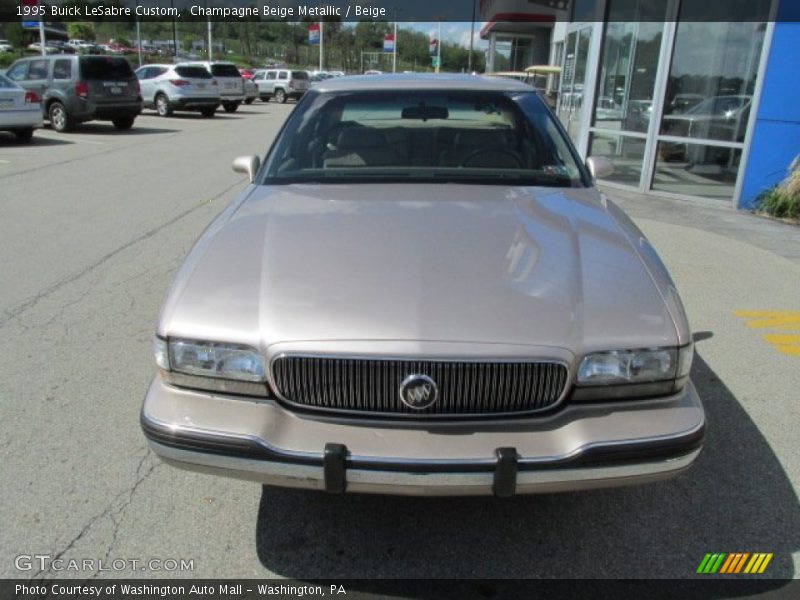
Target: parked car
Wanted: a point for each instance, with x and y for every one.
(719, 118)
(48, 48)
(62, 47)
(168, 88)
(250, 91)
(20, 110)
(231, 84)
(75, 89)
(422, 292)
(281, 84)
(4, 47)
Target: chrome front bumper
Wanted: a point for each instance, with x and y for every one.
(578, 447)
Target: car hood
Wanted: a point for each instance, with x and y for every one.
(484, 264)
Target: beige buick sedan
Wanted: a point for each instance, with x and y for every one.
(421, 292)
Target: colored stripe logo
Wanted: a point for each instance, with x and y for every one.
(734, 563)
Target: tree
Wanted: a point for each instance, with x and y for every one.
(15, 34)
(81, 30)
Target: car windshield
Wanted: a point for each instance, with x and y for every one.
(104, 67)
(192, 72)
(225, 71)
(431, 136)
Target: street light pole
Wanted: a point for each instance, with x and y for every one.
(439, 48)
(174, 31)
(471, 38)
(394, 48)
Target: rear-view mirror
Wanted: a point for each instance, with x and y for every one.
(423, 113)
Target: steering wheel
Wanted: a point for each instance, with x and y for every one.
(511, 154)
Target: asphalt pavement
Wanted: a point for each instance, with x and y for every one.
(92, 226)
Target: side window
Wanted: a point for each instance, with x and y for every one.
(38, 69)
(146, 73)
(62, 69)
(271, 75)
(258, 76)
(157, 71)
(18, 71)
(283, 75)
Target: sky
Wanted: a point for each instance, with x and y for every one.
(451, 32)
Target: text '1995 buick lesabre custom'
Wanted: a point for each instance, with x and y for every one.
(421, 292)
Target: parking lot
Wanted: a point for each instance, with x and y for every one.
(92, 226)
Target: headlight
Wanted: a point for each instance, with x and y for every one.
(213, 359)
(633, 373)
(628, 366)
(218, 366)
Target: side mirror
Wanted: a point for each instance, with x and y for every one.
(248, 165)
(599, 166)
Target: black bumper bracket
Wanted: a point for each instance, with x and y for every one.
(505, 472)
(334, 468)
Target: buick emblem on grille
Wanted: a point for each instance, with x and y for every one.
(418, 391)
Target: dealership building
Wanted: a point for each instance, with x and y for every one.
(690, 99)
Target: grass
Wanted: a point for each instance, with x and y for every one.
(783, 201)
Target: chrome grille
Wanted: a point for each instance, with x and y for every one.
(372, 386)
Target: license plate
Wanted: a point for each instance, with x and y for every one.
(201, 86)
(6, 103)
(115, 90)
(230, 85)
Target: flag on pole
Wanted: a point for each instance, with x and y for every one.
(433, 47)
(388, 42)
(30, 20)
(313, 34)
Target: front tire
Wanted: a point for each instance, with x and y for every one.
(230, 107)
(249, 101)
(24, 135)
(280, 96)
(123, 123)
(162, 106)
(60, 120)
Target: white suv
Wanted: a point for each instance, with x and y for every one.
(281, 84)
(178, 87)
(231, 83)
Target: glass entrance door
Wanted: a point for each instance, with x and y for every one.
(573, 81)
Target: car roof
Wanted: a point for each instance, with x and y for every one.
(426, 81)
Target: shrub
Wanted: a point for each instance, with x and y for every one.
(783, 201)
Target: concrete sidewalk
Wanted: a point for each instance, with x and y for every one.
(773, 236)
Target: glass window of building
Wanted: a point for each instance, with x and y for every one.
(629, 63)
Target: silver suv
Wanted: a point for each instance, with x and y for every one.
(281, 84)
(178, 87)
(231, 83)
(75, 89)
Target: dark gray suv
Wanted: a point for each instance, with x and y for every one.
(75, 89)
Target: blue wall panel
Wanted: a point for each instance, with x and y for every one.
(776, 139)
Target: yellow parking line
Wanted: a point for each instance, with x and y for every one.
(777, 320)
(788, 350)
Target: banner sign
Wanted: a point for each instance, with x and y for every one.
(388, 43)
(31, 13)
(313, 34)
(433, 46)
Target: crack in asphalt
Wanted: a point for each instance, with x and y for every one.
(111, 511)
(21, 308)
